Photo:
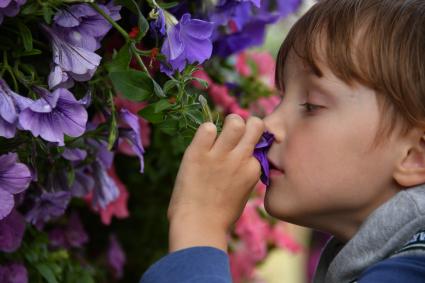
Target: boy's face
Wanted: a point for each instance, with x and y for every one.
(333, 176)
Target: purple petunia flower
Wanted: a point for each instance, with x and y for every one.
(83, 183)
(158, 25)
(116, 257)
(133, 134)
(48, 206)
(13, 273)
(53, 115)
(82, 26)
(78, 63)
(74, 154)
(73, 235)
(14, 178)
(12, 230)
(105, 189)
(10, 8)
(260, 152)
(188, 41)
(8, 111)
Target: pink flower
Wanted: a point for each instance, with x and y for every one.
(264, 62)
(201, 74)
(284, 240)
(253, 231)
(242, 266)
(118, 207)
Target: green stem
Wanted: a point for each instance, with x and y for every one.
(138, 58)
(111, 21)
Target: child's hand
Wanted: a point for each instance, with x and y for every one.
(214, 182)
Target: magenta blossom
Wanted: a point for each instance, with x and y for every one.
(13, 273)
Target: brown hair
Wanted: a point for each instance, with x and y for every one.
(377, 43)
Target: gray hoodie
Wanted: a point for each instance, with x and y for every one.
(387, 232)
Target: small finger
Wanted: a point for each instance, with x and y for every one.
(204, 137)
(233, 130)
(254, 129)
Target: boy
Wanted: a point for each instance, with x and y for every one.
(348, 156)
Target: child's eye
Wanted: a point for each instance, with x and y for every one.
(310, 108)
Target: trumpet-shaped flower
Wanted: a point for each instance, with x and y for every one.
(53, 115)
(260, 152)
(8, 111)
(10, 8)
(12, 230)
(132, 134)
(82, 26)
(78, 63)
(189, 41)
(48, 206)
(14, 178)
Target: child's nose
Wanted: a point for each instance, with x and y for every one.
(274, 125)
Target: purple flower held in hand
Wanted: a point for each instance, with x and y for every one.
(187, 41)
(14, 178)
(10, 8)
(53, 115)
(12, 230)
(260, 152)
(13, 273)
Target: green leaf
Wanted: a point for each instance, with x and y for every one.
(149, 114)
(32, 52)
(162, 105)
(47, 14)
(26, 35)
(170, 85)
(134, 85)
(121, 60)
(169, 127)
(203, 83)
(157, 89)
(168, 5)
(46, 272)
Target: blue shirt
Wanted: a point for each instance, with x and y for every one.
(211, 265)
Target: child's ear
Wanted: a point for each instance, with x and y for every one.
(411, 170)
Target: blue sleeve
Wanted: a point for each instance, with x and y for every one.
(196, 264)
(409, 269)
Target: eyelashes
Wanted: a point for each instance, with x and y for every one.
(310, 108)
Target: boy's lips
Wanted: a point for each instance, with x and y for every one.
(273, 167)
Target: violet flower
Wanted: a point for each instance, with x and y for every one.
(83, 183)
(116, 257)
(74, 154)
(188, 41)
(13, 273)
(10, 8)
(82, 26)
(158, 25)
(48, 206)
(105, 190)
(78, 63)
(133, 134)
(260, 152)
(12, 230)
(53, 115)
(14, 178)
(8, 111)
(73, 235)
